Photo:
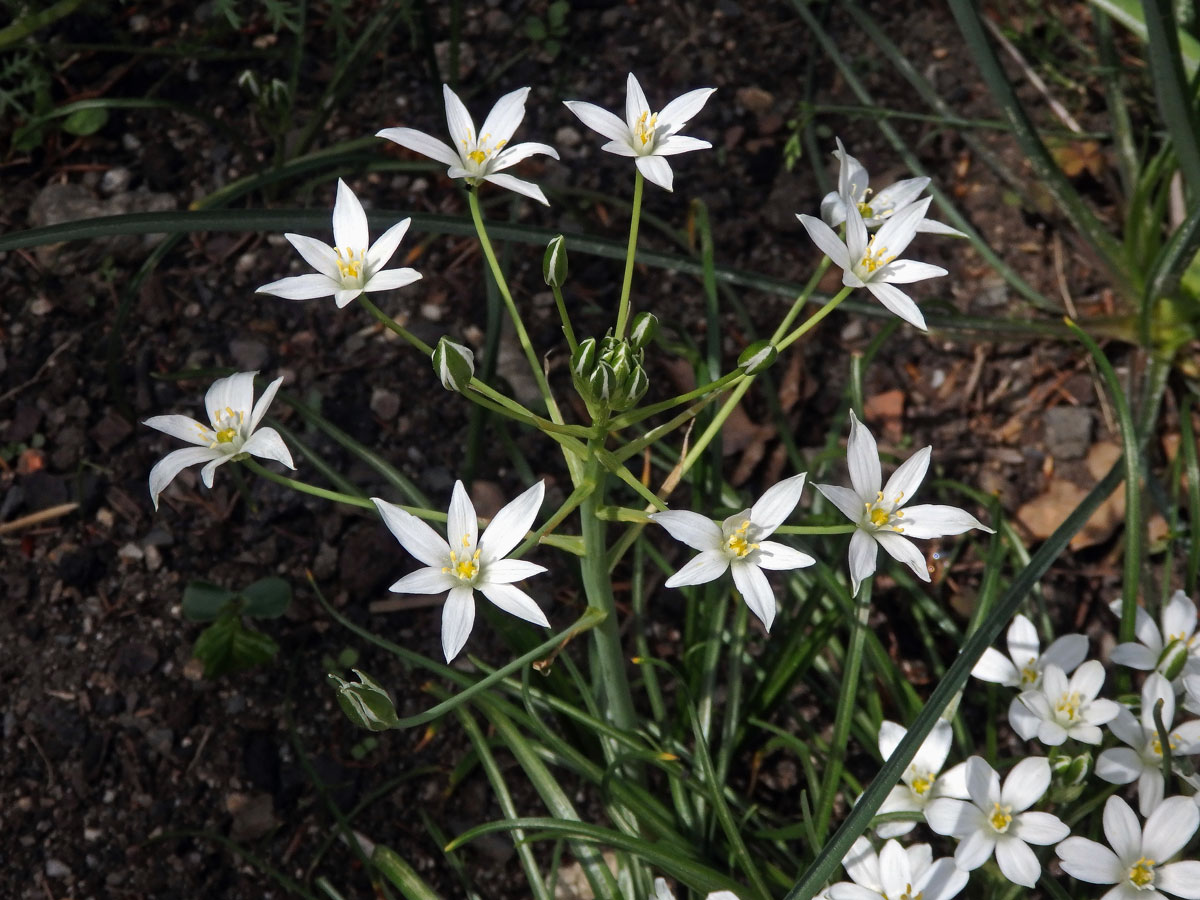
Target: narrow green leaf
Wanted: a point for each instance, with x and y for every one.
(1129, 13)
(1171, 88)
(83, 122)
(403, 877)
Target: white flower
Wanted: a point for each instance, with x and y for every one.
(877, 513)
(1143, 763)
(645, 135)
(997, 820)
(1137, 863)
(470, 562)
(872, 261)
(349, 267)
(234, 431)
(1023, 666)
(897, 873)
(853, 190)
(663, 892)
(738, 545)
(1180, 650)
(478, 156)
(1061, 709)
(920, 782)
(1191, 684)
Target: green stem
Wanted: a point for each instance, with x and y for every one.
(811, 322)
(630, 253)
(305, 488)
(568, 331)
(816, 529)
(644, 412)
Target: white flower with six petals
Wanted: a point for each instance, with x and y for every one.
(738, 544)
(469, 562)
(877, 514)
(479, 156)
(897, 873)
(350, 266)
(646, 135)
(1062, 708)
(923, 780)
(1024, 665)
(233, 431)
(1153, 651)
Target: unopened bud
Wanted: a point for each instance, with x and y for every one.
(635, 387)
(454, 364)
(554, 263)
(601, 383)
(366, 703)
(1172, 660)
(621, 360)
(583, 360)
(645, 326)
(758, 357)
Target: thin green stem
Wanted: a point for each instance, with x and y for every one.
(816, 529)
(305, 488)
(811, 322)
(568, 331)
(634, 217)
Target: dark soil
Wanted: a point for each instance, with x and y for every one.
(127, 774)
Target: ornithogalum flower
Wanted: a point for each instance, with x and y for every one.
(854, 190)
(1173, 650)
(996, 819)
(739, 544)
(1142, 760)
(873, 261)
(897, 873)
(1062, 708)
(662, 891)
(233, 432)
(1138, 861)
(1024, 665)
(877, 513)
(350, 266)
(923, 780)
(646, 135)
(479, 155)
(469, 562)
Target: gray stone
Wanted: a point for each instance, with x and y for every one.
(1068, 432)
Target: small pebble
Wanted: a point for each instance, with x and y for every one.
(57, 869)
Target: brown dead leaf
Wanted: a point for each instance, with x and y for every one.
(1080, 156)
(883, 407)
(1043, 514)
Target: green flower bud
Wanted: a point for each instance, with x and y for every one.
(645, 326)
(621, 360)
(1172, 659)
(583, 360)
(636, 386)
(366, 703)
(554, 263)
(601, 384)
(454, 364)
(758, 357)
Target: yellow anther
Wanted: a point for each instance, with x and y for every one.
(351, 265)
(737, 542)
(226, 435)
(464, 569)
(1068, 705)
(1000, 818)
(1141, 873)
(645, 127)
(875, 259)
(478, 157)
(879, 517)
(921, 784)
(466, 541)
(1172, 743)
(1030, 673)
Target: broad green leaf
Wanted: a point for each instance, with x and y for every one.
(204, 601)
(227, 646)
(267, 598)
(83, 122)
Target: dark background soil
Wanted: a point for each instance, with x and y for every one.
(113, 742)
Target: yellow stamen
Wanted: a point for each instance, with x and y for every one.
(1172, 743)
(1069, 704)
(466, 568)
(478, 157)
(921, 784)
(1001, 817)
(874, 259)
(231, 420)
(1030, 674)
(645, 127)
(1141, 873)
(737, 541)
(350, 266)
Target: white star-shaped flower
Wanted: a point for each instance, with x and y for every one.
(469, 562)
(479, 155)
(996, 819)
(1142, 760)
(1138, 861)
(350, 266)
(233, 431)
(873, 261)
(854, 190)
(897, 873)
(877, 513)
(646, 135)
(1024, 665)
(738, 544)
(1062, 708)
(923, 780)
(1176, 646)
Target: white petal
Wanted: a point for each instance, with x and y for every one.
(510, 525)
(900, 228)
(514, 601)
(1150, 791)
(235, 392)
(184, 428)
(208, 473)
(420, 142)
(301, 287)
(172, 464)
(1182, 879)
(385, 247)
(429, 580)
(267, 444)
(1087, 680)
(317, 254)
(683, 109)
(517, 186)
(458, 615)
(702, 568)
(349, 221)
(264, 403)
(599, 120)
(1026, 712)
(1119, 765)
(776, 504)
(506, 571)
(862, 864)
(847, 501)
(678, 143)
(780, 557)
(907, 478)
(635, 102)
(997, 668)
(826, 240)
(833, 209)
(890, 736)
(1179, 615)
(1135, 656)
(1039, 828)
(899, 799)
(1066, 652)
(462, 129)
(1154, 689)
(414, 535)
(1017, 862)
(898, 303)
(1170, 827)
(462, 525)
(343, 297)
(898, 195)
(983, 784)
(932, 753)
(1026, 783)
(952, 783)
(953, 818)
(1128, 729)
(691, 528)
(755, 590)
(857, 239)
(392, 279)
(932, 226)
(504, 118)
(907, 271)
(620, 148)
(1090, 861)
(863, 551)
(895, 872)
(974, 850)
(903, 550)
(510, 156)
(852, 176)
(862, 457)
(941, 881)
(1122, 830)
(655, 169)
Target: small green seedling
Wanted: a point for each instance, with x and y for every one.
(228, 645)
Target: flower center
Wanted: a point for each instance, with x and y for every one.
(1069, 705)
(883, 515)
(350, 265)
(1141, 874)
(874, 259)
(644, 131)
(737, 543)
(922, 783)
(907, 895)
(464, 566)
(1172, 744)
(226, 425)
(480, 153)
(1000, 818)
(1030, 673)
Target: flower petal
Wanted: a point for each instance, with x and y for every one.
(1066, 652)
(264, 403)
(1017, 862)
(172, 464)
(863, 552)
(903, 550)
(510, 525)
(997, 668)
(301, 287)
(862, 864)
(776, 504)
(780, 557)
(862, 457)
(1122, 830)
(1150, 790)
(458, 615)
(420, 142)
(857, 239)
(906, 480)
(1087, 680)
(755, 590)
(983, 784)
(184, 428)
(826, 240)
(635, 103)
(1179, 616)
(898, 303)
(1170, 827)
(504, 118)
(429, 580)
(1026, 783)
(932, 753)
(847, 501)
(894, 870)
(678, 143)
(1119, 765)
(1135, 656)
(267, 444)
(907, 271)
(1039, 828)
(235, 392)
(349, 221)
(691, 528)
(655, 169)
(941, 881)
(462, 129)
(506, 571)
(392, 279)
(317, 254)
(954, 818)
(599, 120)
(683, 109)
(208, 473)
(619, 148)
(974, 849)
(1026, 712)
(385, 247)
(510, 156)
(1090, 861)
(462, 525)
(415, 536)
(890, 736)
(514, 601)
(517, 186)
(900, 228)
(703, 567)
(898, 195)
(1182, 879)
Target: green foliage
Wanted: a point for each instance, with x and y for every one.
(550, 31)
(228, 645)
(281, 15)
